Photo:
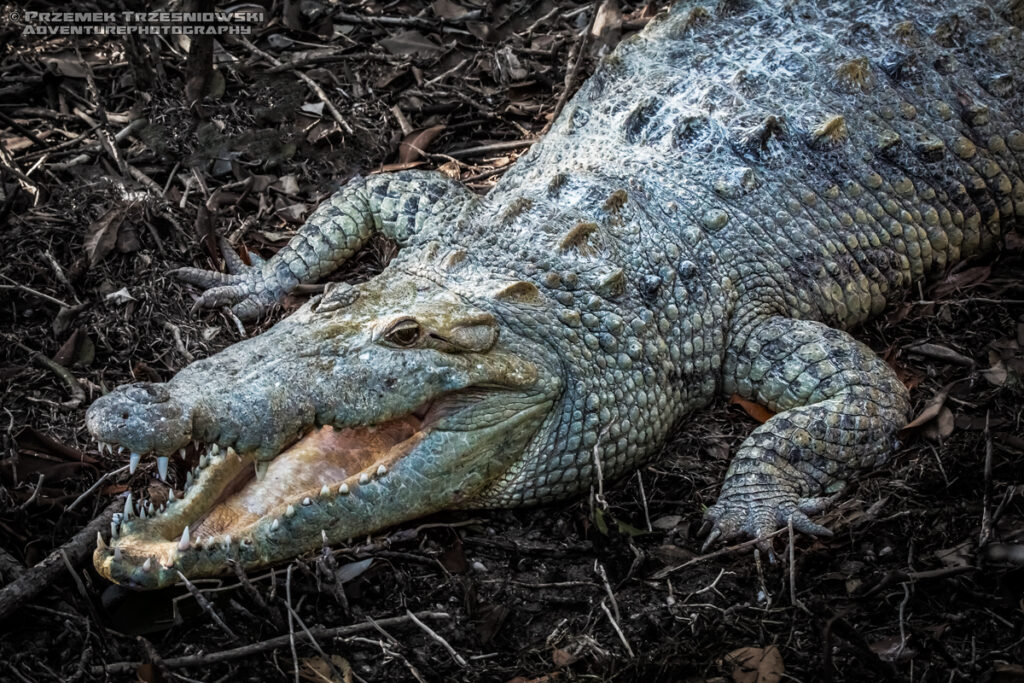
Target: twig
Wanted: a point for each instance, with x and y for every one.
(986, 518)
(35, 492)
(573, 71)
(433, 634)
(493, 147)
(661, 574)
(485, 174)
(643, 497)
(92, 488)
(406, 21)
(618, 629)
(208, 608)
(599, 570)
(291, 621)
(310, 83)
(77, 392)
(903, 626)
(339, 676)
(33, 292)
(34, 580)
(269, 644)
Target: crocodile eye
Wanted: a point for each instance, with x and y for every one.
(404, 333)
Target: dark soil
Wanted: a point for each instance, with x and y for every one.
(923, 580)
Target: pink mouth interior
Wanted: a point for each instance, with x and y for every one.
(325, 456)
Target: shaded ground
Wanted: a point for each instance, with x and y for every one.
(923, 580)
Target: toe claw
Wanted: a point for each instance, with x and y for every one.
(710, 540)
(803, 524)
(232, 261)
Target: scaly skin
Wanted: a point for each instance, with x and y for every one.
(730, 190)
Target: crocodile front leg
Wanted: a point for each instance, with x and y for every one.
(838, 409)
(397, 205)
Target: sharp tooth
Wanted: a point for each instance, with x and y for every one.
(148, 564)
(100, 543)
(227, 542)
(120, 450)
(325, 491)
(133, 462)
(289, 511)
(382, 470)
(364, 478)
(307, 501)
(161, 467)
(113, 531)
(275, 525)
(214, 449)
(204, 461)
(188, 479)
(142, 511)
(170, 496)
(261, 469)
(117, 554)
(343, 489)
(181, 453)
(129, 509)
(231, 451)
(183, 543)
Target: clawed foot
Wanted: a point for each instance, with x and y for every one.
(737, 516)
(243, 287)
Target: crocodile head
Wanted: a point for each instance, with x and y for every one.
(372, 405)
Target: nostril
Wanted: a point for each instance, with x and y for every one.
(145, 393)
(125, 415)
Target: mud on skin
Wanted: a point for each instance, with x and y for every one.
(730, 191)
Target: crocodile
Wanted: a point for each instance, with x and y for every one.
(732, 190)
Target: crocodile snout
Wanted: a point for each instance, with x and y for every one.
(141, 417)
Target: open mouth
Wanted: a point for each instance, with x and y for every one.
(233, 503)
(332, 484)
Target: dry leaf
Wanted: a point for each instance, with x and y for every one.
(754, 410)
(756, 665)
(964, 278)
(410, 43)
(448, 10)
(667, 522)
(961, 555)
(940, 352)
(416, 143)
(101, 235)
(995, 375)
(319, 670)
(607, 28)
(941, 427)
(352, 570)
(931, 411)
(562, 657)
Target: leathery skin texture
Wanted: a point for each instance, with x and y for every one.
(732, 189)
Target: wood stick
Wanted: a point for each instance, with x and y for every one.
(269, 644)
(34, 580)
